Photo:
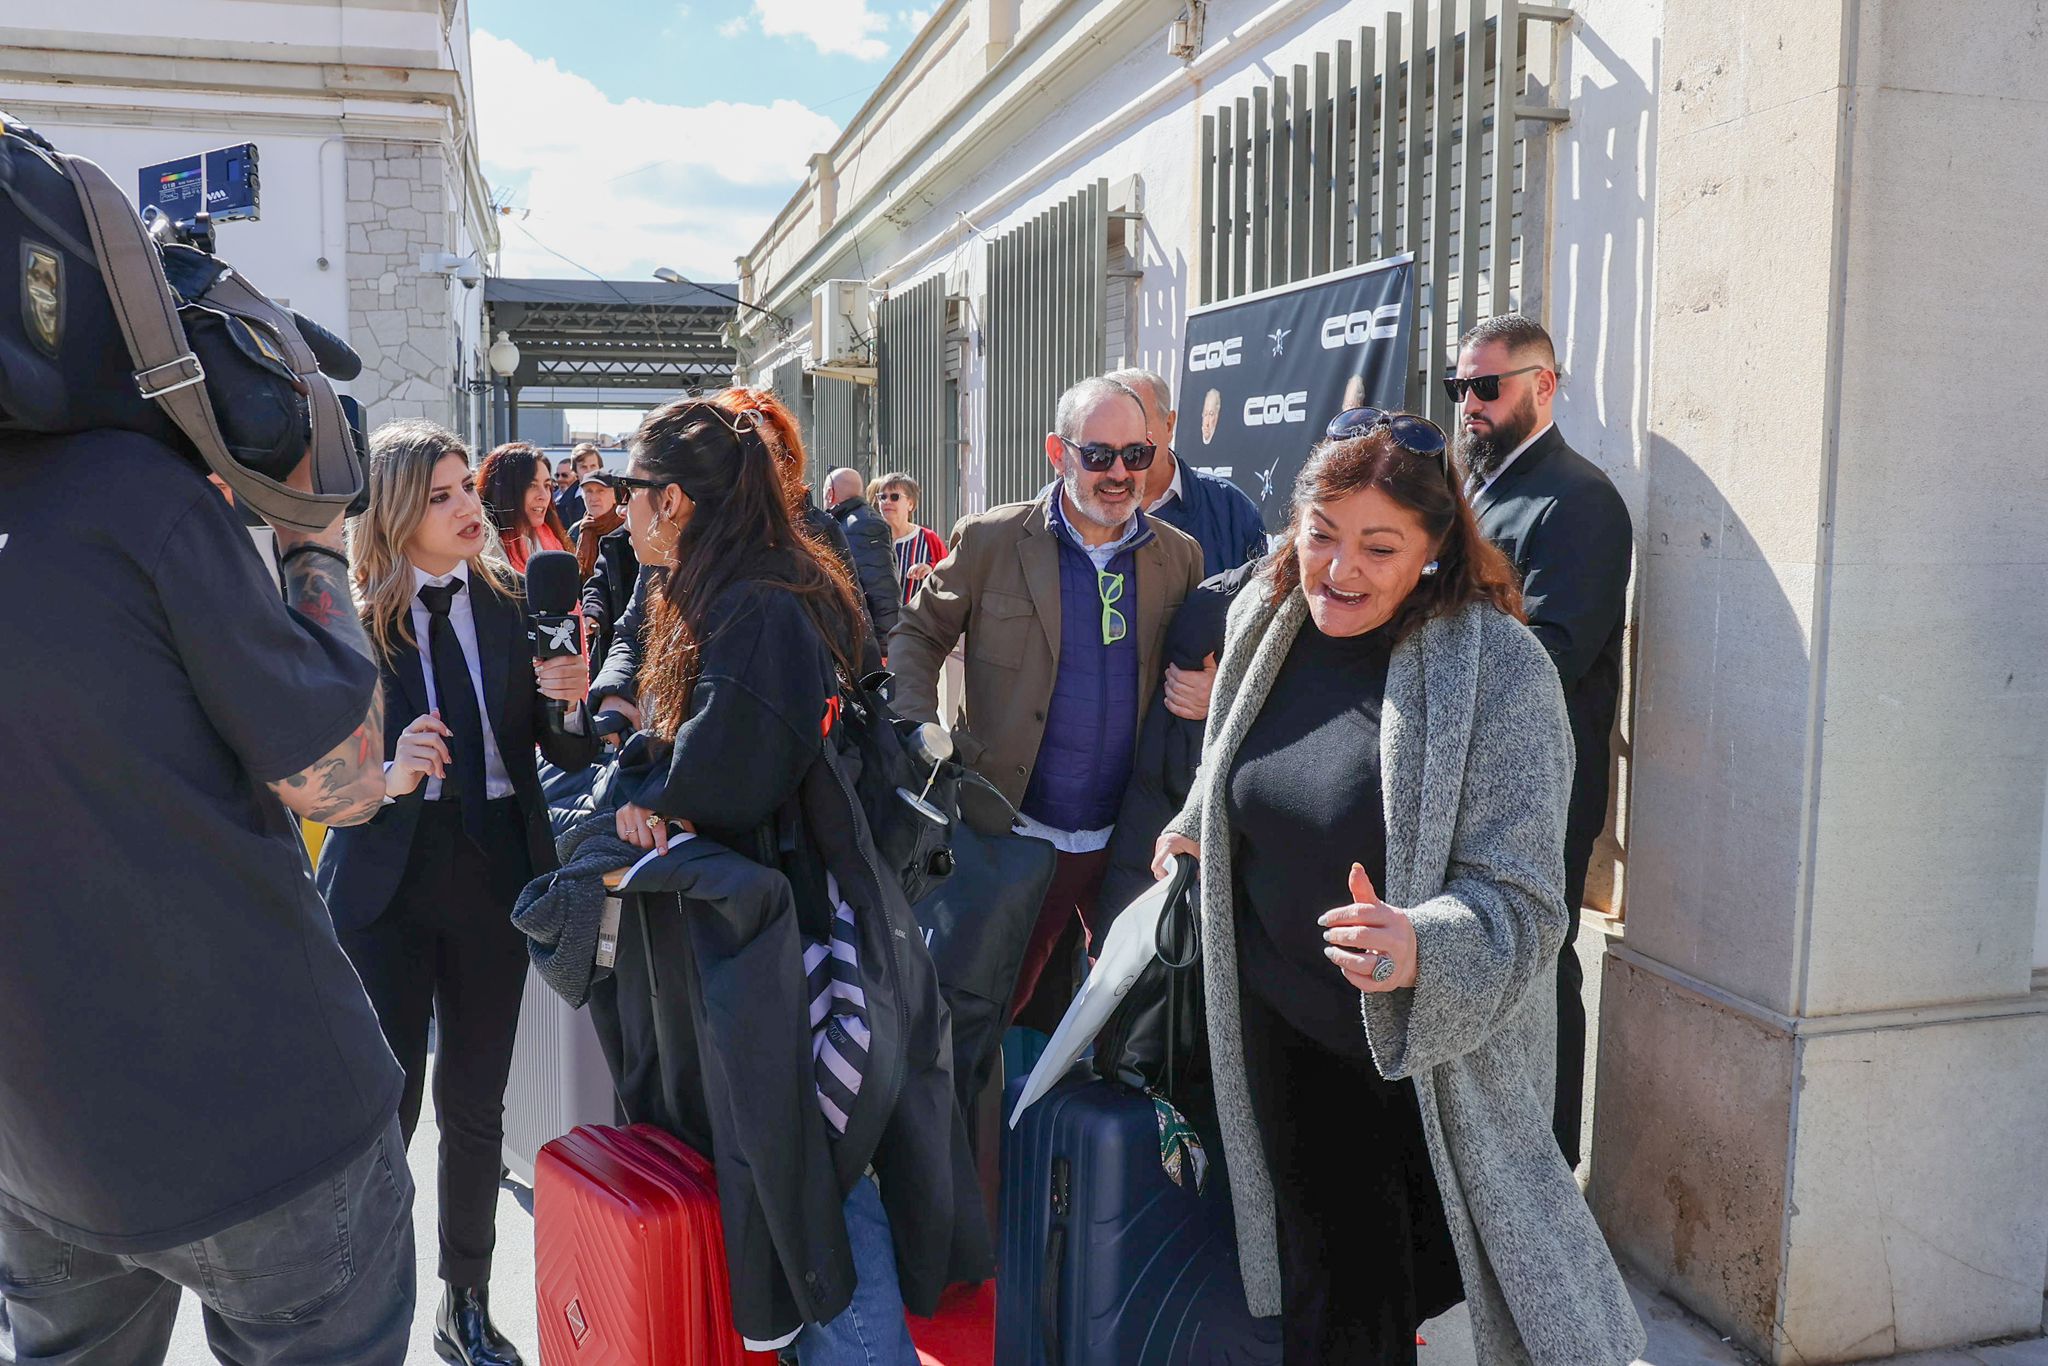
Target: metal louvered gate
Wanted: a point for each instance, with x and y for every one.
(912, 414)
(1047, 308)
(1359, 159)
(793, 388)
(839, 429)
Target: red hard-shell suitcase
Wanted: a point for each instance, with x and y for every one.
(629, 1258)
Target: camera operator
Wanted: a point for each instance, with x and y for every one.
(194, 1091)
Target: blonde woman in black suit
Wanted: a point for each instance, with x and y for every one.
(421, 895)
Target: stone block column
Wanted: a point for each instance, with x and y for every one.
(1822, 1116)
(399, 319)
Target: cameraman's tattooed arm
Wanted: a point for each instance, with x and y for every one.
(345, 786)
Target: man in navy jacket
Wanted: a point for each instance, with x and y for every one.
(1221, 517)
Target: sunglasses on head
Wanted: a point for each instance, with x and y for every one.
(1486, 386)
(1098, 458)
(1410, 433)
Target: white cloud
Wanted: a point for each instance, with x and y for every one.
(624, 186)
(916, 19)
(847, 26)
(733, 27)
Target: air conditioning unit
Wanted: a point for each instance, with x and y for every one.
(843, 324)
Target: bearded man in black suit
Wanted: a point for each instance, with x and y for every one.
(1559, 518)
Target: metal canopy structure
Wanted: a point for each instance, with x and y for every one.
(614, 334)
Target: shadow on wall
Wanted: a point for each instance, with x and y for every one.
(1688, 1170)
(1604, 199)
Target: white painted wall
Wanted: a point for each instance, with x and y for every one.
(303, 186)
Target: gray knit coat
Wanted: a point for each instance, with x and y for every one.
(1476, 765)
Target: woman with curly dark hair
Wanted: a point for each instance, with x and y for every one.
(753, 633)
(520, 496)
(1382, 719)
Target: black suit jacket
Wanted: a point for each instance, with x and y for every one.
(1559, 518)
(360, 865)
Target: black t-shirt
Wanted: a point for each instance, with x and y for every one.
(1305, 805)
(182, 1043)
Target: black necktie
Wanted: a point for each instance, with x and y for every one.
(457, 696)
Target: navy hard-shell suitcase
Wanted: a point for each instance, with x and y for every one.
(1104, 1259)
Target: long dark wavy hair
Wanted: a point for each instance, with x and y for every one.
(1470, 568)
(740, 532)
(502, 480)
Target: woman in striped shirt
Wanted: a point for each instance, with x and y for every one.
(917, 548)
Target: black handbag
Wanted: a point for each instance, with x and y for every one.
(977, 924)
(1157, 1040)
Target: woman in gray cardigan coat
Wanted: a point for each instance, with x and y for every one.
(1452, 966)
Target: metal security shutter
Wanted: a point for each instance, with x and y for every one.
(1389, 145)
(1047, 312)
(839, 437)
(793, 387)
(912, 405)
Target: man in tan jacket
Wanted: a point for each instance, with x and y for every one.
(1064, 602)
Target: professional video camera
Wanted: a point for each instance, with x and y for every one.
(141, 327)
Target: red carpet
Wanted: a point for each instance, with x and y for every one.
(963, 1332)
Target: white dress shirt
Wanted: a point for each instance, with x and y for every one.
(1173, 491)
(497, 783)
(1473, 488)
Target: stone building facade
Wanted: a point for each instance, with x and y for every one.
(399, 318)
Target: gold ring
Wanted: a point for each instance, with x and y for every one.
(654, 822)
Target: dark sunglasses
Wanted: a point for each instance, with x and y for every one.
(622, 485)
(1410, 433)
(1486, 386)
(1096, 458)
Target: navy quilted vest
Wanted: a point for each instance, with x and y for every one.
(1091, 724)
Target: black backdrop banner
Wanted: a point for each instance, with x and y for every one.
(1264, 374)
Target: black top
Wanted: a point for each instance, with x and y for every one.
(182, 1043)
(1304, 805)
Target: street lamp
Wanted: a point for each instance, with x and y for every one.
(675, 277)
(503, 358)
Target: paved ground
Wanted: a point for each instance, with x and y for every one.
(1676, 1337)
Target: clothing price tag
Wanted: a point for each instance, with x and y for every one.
(608, 933)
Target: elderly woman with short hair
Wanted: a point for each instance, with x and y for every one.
(917, 548)
(1382, 719)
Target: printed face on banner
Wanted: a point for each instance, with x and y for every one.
(1273, 369)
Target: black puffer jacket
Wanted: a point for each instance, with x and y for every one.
(874, 559)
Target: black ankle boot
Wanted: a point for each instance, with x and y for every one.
(464, 1335)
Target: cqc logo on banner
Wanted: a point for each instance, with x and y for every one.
(1265, 373)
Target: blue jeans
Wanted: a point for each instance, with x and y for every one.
(870, 1331)
(328, 1276)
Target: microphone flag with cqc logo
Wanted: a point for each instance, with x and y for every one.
(1264, 373)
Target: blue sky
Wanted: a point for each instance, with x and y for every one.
(664, 132)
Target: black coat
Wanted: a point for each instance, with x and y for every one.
(750, 771)
(1559, 518)
(360, 865)
(874, 560)
(1169, 748)
(608, 592)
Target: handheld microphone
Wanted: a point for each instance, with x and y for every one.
(552, 578)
